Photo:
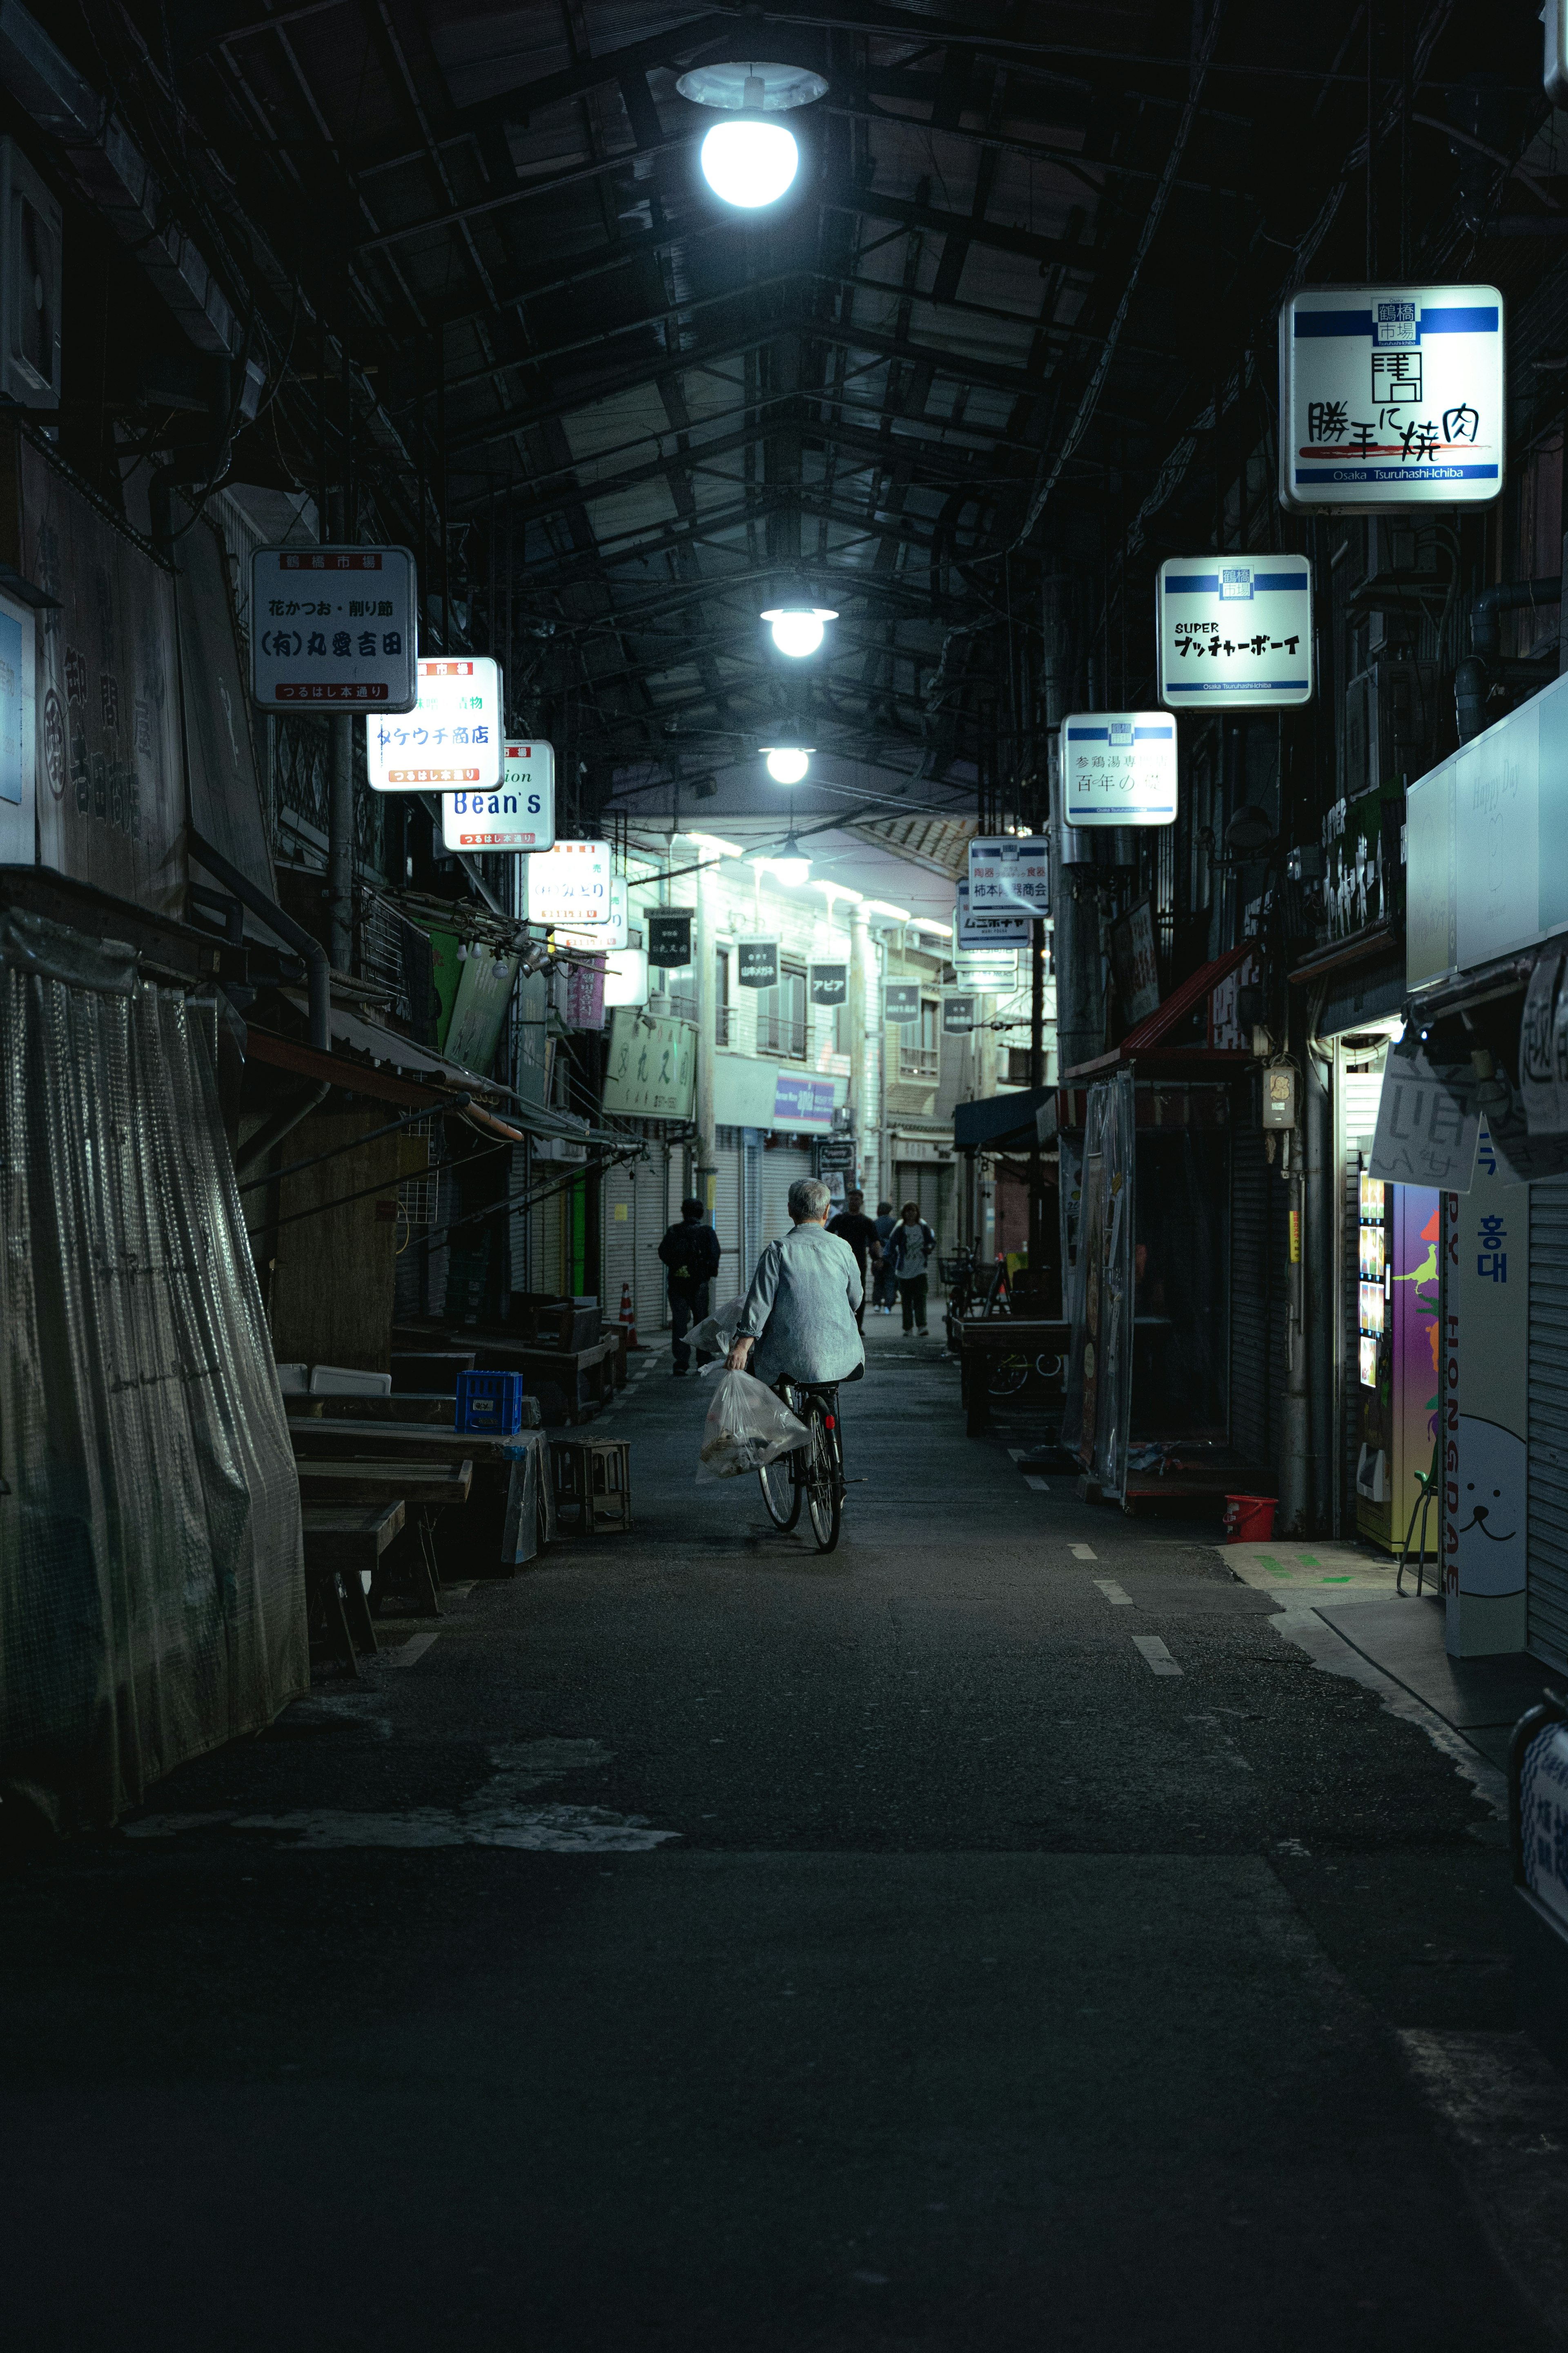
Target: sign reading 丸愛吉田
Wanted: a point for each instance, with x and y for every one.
(901, 1003)
(828, 983)
(570, 884)
(1234, 632)
(669, 938)
(1010, 928)
(1118, 767)
(757, 963)
(451, 740)
(517, 818)
(1390, 396)
(1007, 872)
(332, 626)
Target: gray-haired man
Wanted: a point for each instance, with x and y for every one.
(799, 1315)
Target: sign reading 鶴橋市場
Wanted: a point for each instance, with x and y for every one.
(333, 628)
(1390, 396)
(1118, 767)
(1233, 633)
(451, 740)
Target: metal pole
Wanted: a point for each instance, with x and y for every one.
(1037, 1080)
(340, 843)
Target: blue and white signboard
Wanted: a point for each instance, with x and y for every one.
(1010, 927)
(1010, 870)
(1118, 767)
(518, 817)
(1390, 396)
(451, 740)
(1234, 632)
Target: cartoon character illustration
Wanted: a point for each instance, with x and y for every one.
(1485, 1498)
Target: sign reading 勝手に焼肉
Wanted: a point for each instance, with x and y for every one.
(333, 628)
(1390, 396)
(1118, 767)
(1234, 632)
(518, 817)
(451, 742)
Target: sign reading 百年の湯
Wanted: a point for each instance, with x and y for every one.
(1233, 633)
(1118, 767)
(1390, 396)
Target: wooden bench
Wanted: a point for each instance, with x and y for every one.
(346, 1485)
(341, 1548)
(586, 1375)
(513, 1473)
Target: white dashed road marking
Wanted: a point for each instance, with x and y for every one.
(1156, 1658)
(1113, 1593)
(1084, 1552)
(406, 1652)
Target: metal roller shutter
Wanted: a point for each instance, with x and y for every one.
(751, 1209)
(1546, 1541)
(780, 1170)
(726, 1216)
(1258, 1241)
(618, 1226)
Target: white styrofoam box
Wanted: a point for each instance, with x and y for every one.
(342, 1380)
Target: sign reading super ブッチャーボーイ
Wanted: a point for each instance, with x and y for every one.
(1233, 632)
(1390, 396)
(1118, 767)
(332, 626)
(451, 740)
(517, 818)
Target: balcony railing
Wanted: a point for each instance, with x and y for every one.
(778, 1034)
(918, 1061)
(721, 1025)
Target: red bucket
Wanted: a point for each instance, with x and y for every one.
(1249, 1519)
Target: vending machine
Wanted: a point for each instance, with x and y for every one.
(1396, 1291)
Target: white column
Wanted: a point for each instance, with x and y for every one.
(702, 955)
(862, 1004)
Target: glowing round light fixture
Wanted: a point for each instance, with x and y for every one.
(788, 763)
(797, 628)
(793, 866)
(749, 163)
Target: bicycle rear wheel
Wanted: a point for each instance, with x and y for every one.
(781, 1489)
(824, 1475)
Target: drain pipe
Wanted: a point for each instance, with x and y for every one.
(293, 935)
(1474, 676)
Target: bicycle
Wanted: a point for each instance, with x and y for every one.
(814, 1473)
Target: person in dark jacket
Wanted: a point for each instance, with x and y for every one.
(690, 1254)
(911, 1249)
(854, 1227)
(885, 1221)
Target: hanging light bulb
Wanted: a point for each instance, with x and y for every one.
(793, 866)
(750, 164)
(797, 625)
(788, 763)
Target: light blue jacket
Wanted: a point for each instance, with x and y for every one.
(800, 1309)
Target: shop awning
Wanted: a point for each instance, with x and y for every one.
(1003, 1123)
(1167, 1038)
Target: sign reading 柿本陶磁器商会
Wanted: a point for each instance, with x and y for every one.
(1118, 767)
(1233, 633)
(451, 742)
(333, 629)
(1008, 872)
(517, 818)
(1000, 931)
(1390, 396)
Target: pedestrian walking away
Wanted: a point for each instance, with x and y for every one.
(690, 1251)
(911, 1250)
(882, 1297)
(861, 1232)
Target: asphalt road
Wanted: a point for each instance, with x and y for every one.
(710, 1945)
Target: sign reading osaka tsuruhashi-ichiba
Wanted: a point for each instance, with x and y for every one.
(451, 742)
(1010, 871)
(519, 817)
(1390, 396)
(1233, 632)
(1118, 767)
(332, 626)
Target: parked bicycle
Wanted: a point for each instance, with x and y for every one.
(973, 1289)
(814, 1473)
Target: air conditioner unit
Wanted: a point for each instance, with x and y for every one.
(30, 241)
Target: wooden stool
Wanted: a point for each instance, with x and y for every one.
(594, 1474)
(342, 1549)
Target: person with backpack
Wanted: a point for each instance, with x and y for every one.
(691, 1253)
(912, 1247)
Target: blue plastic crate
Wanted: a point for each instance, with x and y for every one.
(491, 1403)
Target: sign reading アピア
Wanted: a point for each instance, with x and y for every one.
(1233, 633)
(570, 884)
(451, 742)
(1118, 767)
(1391, 395)
(518, 816)
(1010, 871)
(333, 626)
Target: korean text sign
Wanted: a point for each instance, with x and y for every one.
(570, 884)
(1008, 871)
(332, 626)
(451, 742)
(1118, 767)
(517, 816)
(1391, 395)
(1233, 633)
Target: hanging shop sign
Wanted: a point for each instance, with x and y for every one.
(1010, 870)
(626, 977)
(828, 983)
(1135, 963)
(985, 979)
(1484, 1394)
(901, 1003)
(959, 1014)
(835, 1152)
(1118, 767)
(1390, 396)
(332, 626)
(484, 991)
(1233, 633)
(1427, 1119)
(585, 993)
(757, 963)
(571, 884)
(518, 817)
(614, 933)
(976, 928)
(651, 1072)
(669, 938)
(451, 742)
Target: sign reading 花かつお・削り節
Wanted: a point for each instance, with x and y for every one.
(651, 1072)
(451, 742)
(1118, 767)
(333, 629)
(1234, 632)
(1390, 396)
(518, 817)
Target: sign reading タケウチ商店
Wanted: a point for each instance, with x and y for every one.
(1390, 396)
(451, 742)
(333, 628)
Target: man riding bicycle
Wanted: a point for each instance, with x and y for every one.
(799, 1318)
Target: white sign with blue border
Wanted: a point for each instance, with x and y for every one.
(1118, 767)
(1390, 396)
(1233, 633)
(1008, 870)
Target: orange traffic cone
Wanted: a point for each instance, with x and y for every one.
(628, 1317)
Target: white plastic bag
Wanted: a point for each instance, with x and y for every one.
(747, 1427)
(714, 1335)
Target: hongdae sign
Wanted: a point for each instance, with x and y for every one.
(518, 817)
(451, 742)
(333, 626)
(1008, 871)
(1233, 633)
(1118, 767)
(1391, 395)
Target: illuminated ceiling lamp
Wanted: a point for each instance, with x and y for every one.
(788, 762)
(791, 866)
(750, 159)
(797, 622)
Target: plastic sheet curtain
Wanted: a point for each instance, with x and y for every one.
(152, 1592)
(1098, 1403)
